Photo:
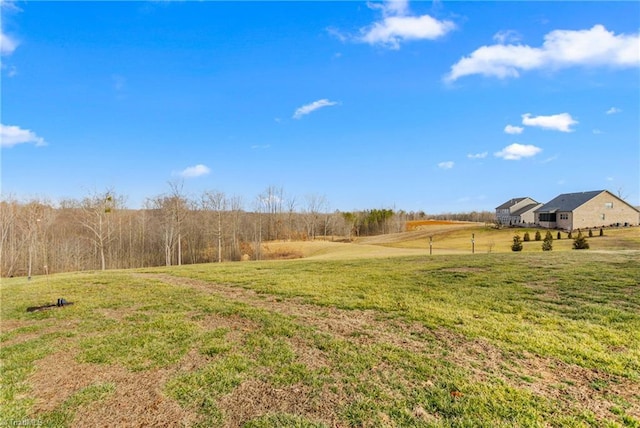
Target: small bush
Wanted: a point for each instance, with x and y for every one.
(590, 233)
(580, 243)
(569, 235)
(559, 236)
(517, 243)
(538, 236)
(547, 243)
(601, 232)
(526, 237)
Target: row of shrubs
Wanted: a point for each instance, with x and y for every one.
(538, 236)
(579, 242)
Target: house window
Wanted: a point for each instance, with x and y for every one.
(564, 216)
(601, 216)
(608, 205)
(548, 217)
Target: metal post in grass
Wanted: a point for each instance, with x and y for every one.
(430, 245)
(473, 243)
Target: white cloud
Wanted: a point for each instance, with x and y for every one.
(195, 171)
(561, 49)
(7, 44)
(260, 146)
(477, 155)
(13, 135)
(517, 151)
(395, 29)
(391, 7)
(446, 165)
(597, 131)
(558, 122)
(614, 110)
(397, 25)
(510, 129)
(308, 108)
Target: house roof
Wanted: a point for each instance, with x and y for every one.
(526, 208)
(510, 203)
(568, 201)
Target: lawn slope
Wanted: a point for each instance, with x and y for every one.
(514, 339)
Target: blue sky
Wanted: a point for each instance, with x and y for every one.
(433, 106)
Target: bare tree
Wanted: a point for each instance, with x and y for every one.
(217, 203)
(270, 203)
(621, 194)
(235, 204)
(178, 211)
(9, 254)
(291, 208)
(171, 209)
(315, 206)
(94, 214)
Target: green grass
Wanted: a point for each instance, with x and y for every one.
(466, 340)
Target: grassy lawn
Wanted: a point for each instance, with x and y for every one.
(491, 339)
(491, 240)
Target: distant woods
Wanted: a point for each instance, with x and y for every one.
(99, 232)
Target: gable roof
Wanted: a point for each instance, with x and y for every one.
(510, 203)
(526, 208)
(568, 201)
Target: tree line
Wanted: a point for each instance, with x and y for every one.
(98, 231)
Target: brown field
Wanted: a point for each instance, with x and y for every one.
(422, 224)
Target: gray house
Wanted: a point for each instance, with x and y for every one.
(598, 208)
(517, 212)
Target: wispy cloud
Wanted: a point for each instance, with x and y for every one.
(195, 171)
(11, 135)
(477, 155)
(557, 122)
(593, 47)
(7, 44)
(119, 82)
(260, 146)
(507, 36)
(9, 5)
(510, 129)
(337, 34)
(597, 132)
(311, 107)
(613, 110)
(446, 165)
(517, 151)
